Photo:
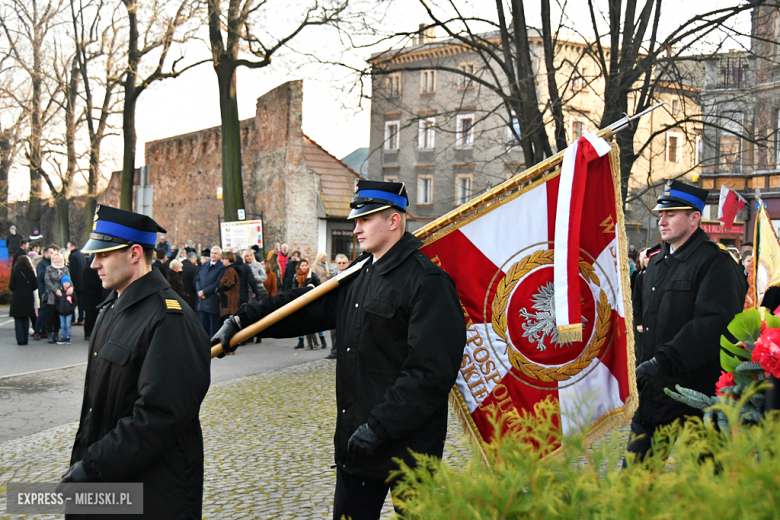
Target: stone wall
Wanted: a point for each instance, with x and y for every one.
(186, 170)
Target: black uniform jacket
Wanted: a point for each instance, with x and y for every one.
(401, 332)
(688, 299)
(148, 371)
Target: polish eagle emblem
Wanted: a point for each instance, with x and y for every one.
(540, 325)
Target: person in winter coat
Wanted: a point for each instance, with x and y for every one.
(305, 277)
(76, 265)
(247, 285)
(690, 292)
(276, 269)
(206, 285)
(401, 334)
(66, 304)
(53, 280)
(320, 267)
(12, 241)
(188, 274)
(174, 278)
(23, 285)
(229, 285)
(94, 294)
(147, 375)
(270, 281)
(290, 270)
(42, 322)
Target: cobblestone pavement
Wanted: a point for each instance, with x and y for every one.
(268, 447)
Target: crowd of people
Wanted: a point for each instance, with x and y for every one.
(56, 289)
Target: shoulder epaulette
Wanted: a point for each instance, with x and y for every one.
(171, 304)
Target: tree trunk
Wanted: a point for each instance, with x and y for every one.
(62, 207)
(128, 158)
(94, 162)
(5, 167)
(232, 185)
(35, 152)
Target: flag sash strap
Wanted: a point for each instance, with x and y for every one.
(506, 193)
(571, 198)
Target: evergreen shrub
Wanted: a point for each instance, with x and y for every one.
(732, 474)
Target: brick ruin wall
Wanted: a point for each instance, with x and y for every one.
(186, 171)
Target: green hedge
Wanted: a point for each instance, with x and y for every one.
(731, 475)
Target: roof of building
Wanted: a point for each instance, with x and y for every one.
(337, 180)
(358, 161)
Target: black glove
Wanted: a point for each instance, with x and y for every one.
(76, 473)
(225, 333)
(648, 371)
(363, 442)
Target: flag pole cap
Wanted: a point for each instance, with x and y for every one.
(373, 196)
(114, 228)
(678, 195)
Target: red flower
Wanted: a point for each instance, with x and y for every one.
(725, 380)
(767, 351)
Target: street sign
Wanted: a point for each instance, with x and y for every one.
(241, 214)
(242, 234)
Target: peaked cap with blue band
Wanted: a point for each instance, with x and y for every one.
(116, 228)
(373, 196)
(678, 195)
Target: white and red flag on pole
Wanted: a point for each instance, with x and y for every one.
(729, 205)
(531, 265)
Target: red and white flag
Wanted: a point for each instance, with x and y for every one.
(730, 203)
(512, 264)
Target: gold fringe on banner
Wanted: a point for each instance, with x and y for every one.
(570, 333)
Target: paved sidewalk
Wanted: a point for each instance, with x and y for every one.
(268, 447)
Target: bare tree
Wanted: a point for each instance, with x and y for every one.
(237, 24)
(28, 26)
(153, 30)
(97, 35)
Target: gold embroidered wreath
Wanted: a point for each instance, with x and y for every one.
(504, 290)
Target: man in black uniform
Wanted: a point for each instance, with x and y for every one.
(401, 333)
(691, 291)
(148, 372)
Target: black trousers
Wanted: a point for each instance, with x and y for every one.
(358, 498)
(22, 326)
(53, 318)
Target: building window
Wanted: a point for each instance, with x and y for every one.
(464, 131)
(394, 85)
(343, 242)
(674, 147)
(699, 146)
(514, 132)
(424, 190)
(578, 127)
(730, 143)
(427, 81)
(467, 69)
(675, 107)
(427, 133)
(390, 178)
(579, 83)
(462, 189)
(392, 134)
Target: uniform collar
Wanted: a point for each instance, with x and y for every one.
(398, 253)
(149, 283)
(688, 247)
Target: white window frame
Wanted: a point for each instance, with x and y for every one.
(579, 83)
(459, 133)
(675, 107)
(680, 141)
(576, 119)
(426, 125)
(427, 81)
(466, 82)
(420, 200)
(388, 137)
(394, 80)
(459, 201)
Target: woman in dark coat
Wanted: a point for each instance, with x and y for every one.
(174, 278)
(229, 286)
(23, 284)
